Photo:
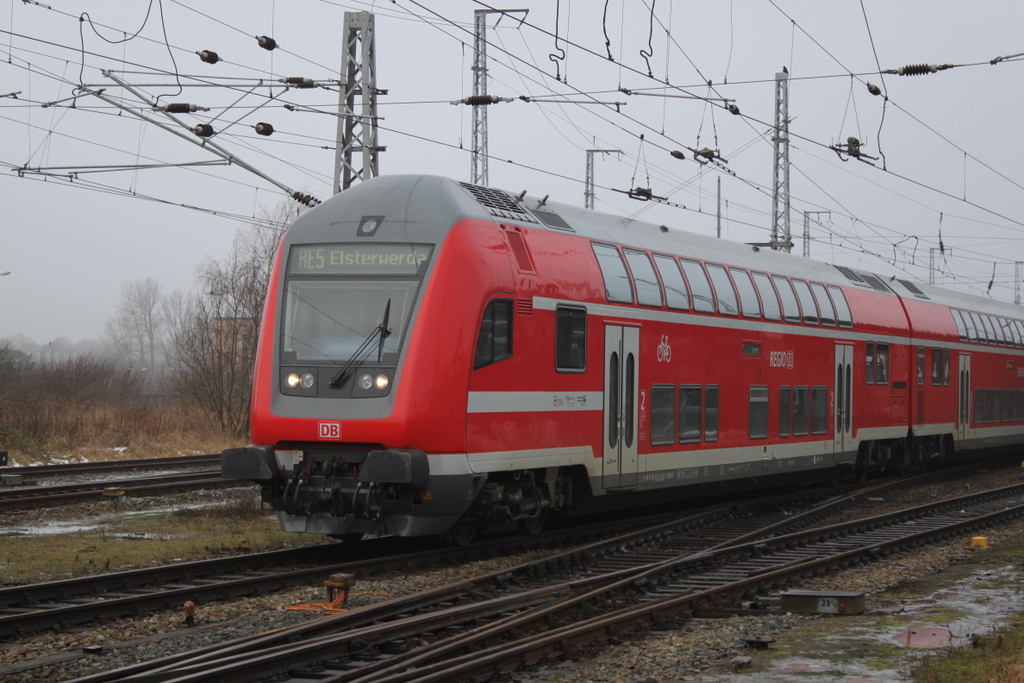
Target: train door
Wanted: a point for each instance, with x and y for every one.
(843, 434)
(963, 419)
(621, 354)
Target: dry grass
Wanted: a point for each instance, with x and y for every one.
(998, 658)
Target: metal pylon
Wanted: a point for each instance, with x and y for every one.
(781, 235)
(356, 153)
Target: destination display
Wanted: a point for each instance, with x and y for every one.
(358, 259)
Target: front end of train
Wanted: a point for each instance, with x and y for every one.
(358, 411)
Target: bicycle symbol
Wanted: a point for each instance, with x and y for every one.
(664, 350)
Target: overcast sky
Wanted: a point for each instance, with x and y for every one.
(948, 143)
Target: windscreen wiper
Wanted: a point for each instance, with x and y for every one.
(364, 348)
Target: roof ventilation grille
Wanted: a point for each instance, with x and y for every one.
(852, 275)
(914, 289)
(498, 203)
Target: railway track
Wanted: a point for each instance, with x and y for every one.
(606, 591)
(175, 462)
(13, 497)
(596, 570)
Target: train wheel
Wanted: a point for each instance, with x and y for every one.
(463, 531)
(534, 525)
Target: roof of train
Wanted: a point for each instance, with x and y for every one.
(438, 203)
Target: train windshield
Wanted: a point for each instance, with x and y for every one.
(336, 296)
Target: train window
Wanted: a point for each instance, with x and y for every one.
(711, 414)
(1005, 412)
(819, 410)
(570, 339)
(842, 308)
(996, 406)
(676, 295)
(628, 400)
(1020, 329)
(985, 332)
(758, 428)
(1013, 405)
(806, 302)
(648, 291)
(495, 340)
(612, 396)
(980, 325)
(689, 413)
(920, 366)
(801, 410)
(1014, 332)
(617, 287)
(979, 406)
(881, 363)
(748, 295)
(828, 312)
(961, 329)
(869, 363)
(1020, 404)
(700, 287)
(936, 367)
(972, 332)
(663, 414)
(769, 298)
(727, 303)
(785, 411)
(997, 325)
(790, 307)
(945, 367)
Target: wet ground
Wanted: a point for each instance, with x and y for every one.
(883, 644)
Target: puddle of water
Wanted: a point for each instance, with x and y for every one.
(873, 649)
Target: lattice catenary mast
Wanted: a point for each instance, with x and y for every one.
(357, 133)
(781, 235)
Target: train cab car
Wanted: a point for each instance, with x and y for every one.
(438, 357)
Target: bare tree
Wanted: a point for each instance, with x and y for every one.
(214, 332)
(136, 329)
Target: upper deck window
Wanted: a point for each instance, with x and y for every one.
(648, 291)
(770, 300)
(806, 302)
(790, 307)
(676, 295)
(700, 287)
(842, 308)
(828, 312)
(727, 302)
(617, 286)
(748, 296)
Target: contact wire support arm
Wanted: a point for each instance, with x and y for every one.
(188, 136)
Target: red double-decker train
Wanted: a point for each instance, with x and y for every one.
(438, 357)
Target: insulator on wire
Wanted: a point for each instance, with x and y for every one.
(479, 100)
(305, 199)
(208, 56)
(299, 82)
(264, 128)
(733, 109)
(677, 154)
(920, 69)
(203, 130)
(874, 89)
(181, 108)
(266, 42)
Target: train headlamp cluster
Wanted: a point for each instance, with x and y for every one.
(367, 381)
(305, 380)
(314, 382)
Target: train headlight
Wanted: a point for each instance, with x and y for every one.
(306, 380)
(365, 381)
(382, 381)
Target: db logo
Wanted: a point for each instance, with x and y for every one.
(330, 430)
